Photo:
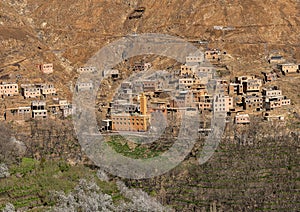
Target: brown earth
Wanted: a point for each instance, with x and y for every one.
(67, 33)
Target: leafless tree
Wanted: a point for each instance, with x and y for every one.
(8, 150)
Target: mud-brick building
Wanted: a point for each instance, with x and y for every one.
(46, 68)
(8, 89)
(87, 69)
(39, 109)
(46, 89)
(222, 103)
(17, 114)
(276, 59)
(242, 119)
(132, 122)
(252, 102)
(270, 76)
(273, 98)
(30, 91)
(288, 68)
(213, 54)
(150, 85)
(252, 86)
(84, 86)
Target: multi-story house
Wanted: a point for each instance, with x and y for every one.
(273, 98)
(187, 83)
(271, 91)
(46, 89)
(39, 109)
(194, 58)
(184, 99)
(252, 86)
(132, 122)
(222, 103)
(222, 86)
(9, 89)
(252, 102)
(234, 88)
(205, 103)
(30, 91)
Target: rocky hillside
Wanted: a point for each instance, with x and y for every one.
(67, 33)
(80, 28)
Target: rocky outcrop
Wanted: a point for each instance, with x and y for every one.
(4, 172)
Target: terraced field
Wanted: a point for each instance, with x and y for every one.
(257, 178)
(32, 184)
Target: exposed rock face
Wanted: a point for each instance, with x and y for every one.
(102, 175)
(4, 172)
(9, 208)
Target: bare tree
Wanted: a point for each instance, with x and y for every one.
(8, 150)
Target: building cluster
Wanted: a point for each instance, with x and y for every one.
(39, 109)
(27, 90)
(251, 96)
(283, 66)
(137, 102)
(37, 90)
(8, 89)
(195, 87)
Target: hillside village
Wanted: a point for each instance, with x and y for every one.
(248, 72)
(137, 102)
